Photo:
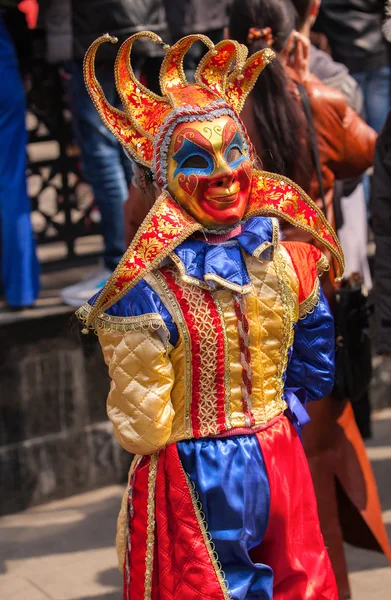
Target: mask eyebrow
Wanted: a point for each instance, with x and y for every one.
(237, 140)
(231, 133)
(193, 135)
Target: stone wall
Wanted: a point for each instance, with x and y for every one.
(55, 439)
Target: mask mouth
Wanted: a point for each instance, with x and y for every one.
(228, 196)
(223, 202)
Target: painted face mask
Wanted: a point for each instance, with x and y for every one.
(209, 171)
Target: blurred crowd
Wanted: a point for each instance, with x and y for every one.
(318, 115)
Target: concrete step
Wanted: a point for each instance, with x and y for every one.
(55, 439)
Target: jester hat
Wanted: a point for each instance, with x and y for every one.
(223, 80)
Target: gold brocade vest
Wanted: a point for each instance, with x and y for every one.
(233, 345)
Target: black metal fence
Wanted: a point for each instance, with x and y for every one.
(62, 204)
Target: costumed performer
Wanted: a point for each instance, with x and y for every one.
(215, 334)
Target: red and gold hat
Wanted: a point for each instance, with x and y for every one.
(223, 80)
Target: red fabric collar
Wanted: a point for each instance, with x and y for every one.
(218, 238)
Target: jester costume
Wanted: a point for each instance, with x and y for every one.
(216, 333)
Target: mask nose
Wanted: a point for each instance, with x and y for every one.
(223, 178)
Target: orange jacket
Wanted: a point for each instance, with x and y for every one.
(346, 144)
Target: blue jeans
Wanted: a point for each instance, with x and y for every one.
(106, 167)
(19, 269)
(376, 88)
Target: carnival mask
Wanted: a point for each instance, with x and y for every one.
(193, 141)
(209, 171)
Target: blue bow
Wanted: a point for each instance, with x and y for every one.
(296, 412)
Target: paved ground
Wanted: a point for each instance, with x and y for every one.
(64, 550)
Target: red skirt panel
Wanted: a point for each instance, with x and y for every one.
(170, 553)
(293, 545)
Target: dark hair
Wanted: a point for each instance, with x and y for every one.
(278, 114)
(145, 182)
(302, 8)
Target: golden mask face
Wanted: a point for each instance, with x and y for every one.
(209, 171)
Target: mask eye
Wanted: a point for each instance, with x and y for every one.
(233, 154)
(195, 162)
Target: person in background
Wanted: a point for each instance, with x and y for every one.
(345, 143)
(72, 26)
(353, 234)
(346, 147)
(354, 31)
(349, 195)
(196, 16)
(322, 65)
(19, 274)
(381, 224)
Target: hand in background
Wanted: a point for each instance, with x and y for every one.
(31, 9)
(300, 56)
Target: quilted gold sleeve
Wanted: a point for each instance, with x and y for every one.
(139, 402)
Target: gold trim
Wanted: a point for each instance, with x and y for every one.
(150, 527)
(122, 324)
(246, 84)
(234, 287)
(128, 495)
(182, 327)
(101, 305)
(236, 58)
(323, 264)
(227, 372)
(124, 57)
(276, 231)
(183, 46)
(308, 305)
(261, 249)
(335, 251)
(274, 243)
(187, 278)
(128, 46)
(289, 319)
(90, 59)
(241, 289)
(200, 516)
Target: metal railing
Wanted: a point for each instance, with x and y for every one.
(62, 204)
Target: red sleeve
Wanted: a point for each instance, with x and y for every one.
(309, 262)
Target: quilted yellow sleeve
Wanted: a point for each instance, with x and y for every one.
(139, 402)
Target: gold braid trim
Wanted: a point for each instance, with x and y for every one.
(227, 372)
(322, 265)
(234, 287)
(187, 227)
(200, 516)
(308, 305)
(259, 250)
(122, 324)
(150, 527)
(123, 542)
(172, 302)
(182, 271)
(289, 318)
